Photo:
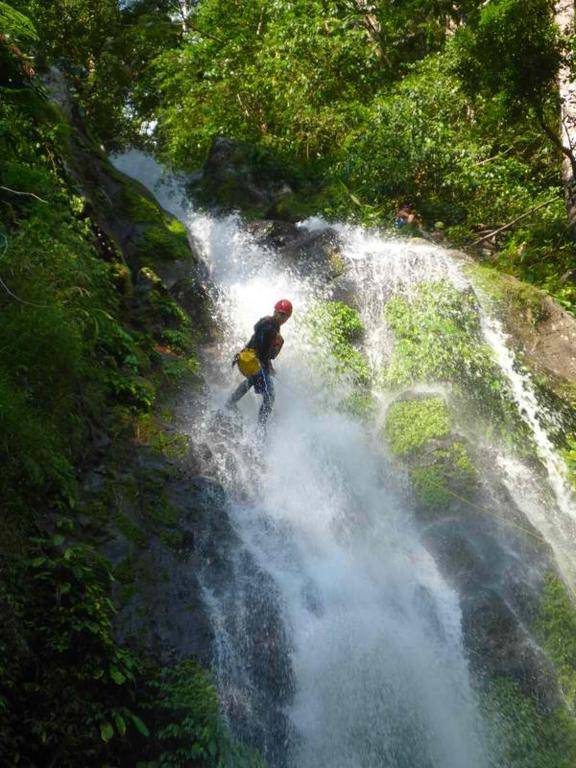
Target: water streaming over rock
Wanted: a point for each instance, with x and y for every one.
(339, 641)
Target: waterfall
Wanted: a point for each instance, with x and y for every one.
(333, 577)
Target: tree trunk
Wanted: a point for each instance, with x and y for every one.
(564, 13)
(184, 12)
(370, 22)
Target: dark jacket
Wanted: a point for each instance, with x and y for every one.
(262, 341)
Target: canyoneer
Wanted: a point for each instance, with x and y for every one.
(255, 360)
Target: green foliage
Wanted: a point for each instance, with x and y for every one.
(444, 475)
(79, 361)
(523, 737)
(438, 338)
(570, 459)
(412, 423)
(91, 698)
(334, 329)
(189, 730)
(81, 697)
(556, 626)
(16, 25)
(512, 50)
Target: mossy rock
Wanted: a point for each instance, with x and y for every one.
(335, 329)
(521, 736)
(556, 629)
(543, 332)
(412, 423)
(438, 338)
(524, 299)
(418, 431)
(446, 478)
(159, 236)
(122, 209)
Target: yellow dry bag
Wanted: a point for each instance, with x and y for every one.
(248, 362)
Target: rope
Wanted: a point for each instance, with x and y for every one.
(505, 520)
(490, 512)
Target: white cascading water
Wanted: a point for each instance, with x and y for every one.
(557, 523)
(373, 631)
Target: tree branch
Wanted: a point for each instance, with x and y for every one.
(29, 194)
(555, 139)
(514, 221)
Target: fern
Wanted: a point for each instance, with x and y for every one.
(15, 25)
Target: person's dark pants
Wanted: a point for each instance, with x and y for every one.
(262, 383)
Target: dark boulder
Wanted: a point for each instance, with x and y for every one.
(234, 178)
(315, 253)
(274, 234)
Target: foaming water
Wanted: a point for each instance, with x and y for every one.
(369, 629)
(558, 523)
(374, 631)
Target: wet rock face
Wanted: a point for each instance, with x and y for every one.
(482, 543)
(255, 677)
(188, 588)
(543, 333)
(499, 646)
(126, 215)
(166, 526)
(274, 234)
(546, 332)
(499, 589)
(317, 253)
(231, 179)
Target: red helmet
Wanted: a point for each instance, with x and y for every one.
(284, 306)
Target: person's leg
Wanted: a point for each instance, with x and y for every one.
(239, 392)
(267, 401)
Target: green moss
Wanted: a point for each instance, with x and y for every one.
(161, 236)
(150, 430)
(448, 473)
(334, 328)
(130, 530)
(412, 423)
(419, 432)
(556, 626)
(519, 297)
(523, 737)
(359, 403)
(438, 338)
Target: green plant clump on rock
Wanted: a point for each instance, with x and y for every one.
(412, 423)
(523, 737)
(335, 328)
(447, 473)
(438, 339)
(419, 432)
(556, 626)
